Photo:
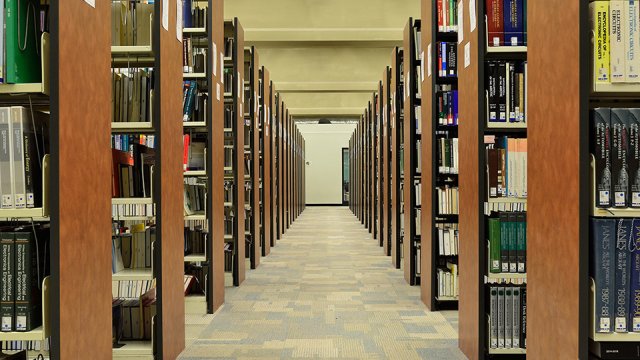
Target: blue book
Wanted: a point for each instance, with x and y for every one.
(455, 107)
(622, 278)
(634, 284)
(443, 56)
(602, 265)
(513, 22)
(187, 17)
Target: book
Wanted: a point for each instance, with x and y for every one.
(619, 149)
(7, 286)
(6, 170)
(632, 40)
(28, 299)
(617, 41)
(634, 281)
(513, 23)
(599, 15)
(517, 311)
(622, 266)
(494, 245)
(523, 317)
(495, 22)
(493, 303)
(22, 42)
(601, 149)
(602, 270)
(501, 314)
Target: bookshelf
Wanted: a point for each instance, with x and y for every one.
(373, 148)
(438, 130)
(286, 160)
(370, 180)
(385, 104)
(266, 136)
(480, 211)
(234, 114)
(396, 115)
(380, 183)
(280, 121)
(412, 140)
(252, 155)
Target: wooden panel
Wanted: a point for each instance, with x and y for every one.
(169, 192)
(255, 160)
(266, 156)
(273, 125)
(427, 255)
(375, 159)
(280, 167)
(469, 201)
(380, 165)
(216, 178)
(386, 183)
(553, 252)
(407, 244)
(287, 169)
(81, 199)
(395, 163)
(238, 94)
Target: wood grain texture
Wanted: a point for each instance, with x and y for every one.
(553, 251)
(395, 160)
(170, 192)
(266, 165)
(409, 145)
(427, 278)
(377, 162)
(274, 166)
(216, 178)
(238, 94)
(81, 203)
(281, 166)
(255, 160)
(287, 158)
(386, 178)
(469, 201)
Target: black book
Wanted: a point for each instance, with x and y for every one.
(620, 146)
(502, 91)
(7, 287)
(633, 156)
(523, 317)
(452, 59)
(512, 92)
(492, 88)
(28, 259)
(601, 150)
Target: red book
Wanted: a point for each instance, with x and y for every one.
(440, 17)
(495, 22)
(120, 158)
(185, 159)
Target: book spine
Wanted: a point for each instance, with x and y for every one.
(502, 92)
(634, 282)
(28, 298)
(603, 231)
(495, 22)
(600, 134)
(504, 242)
(617, 46)
(443, 55)
(622, 275)
(619, 169)
(6, 291)
(633, 156)
(508, 317)
(452, 59)
(511, 92)
(522, 243)
(189, 102)
(501, 312)
(515, 335)
(492, 88)
(440, 17)
(6, 149)
(513, 243)
(632, 40)
(493, 313)
(523, 317)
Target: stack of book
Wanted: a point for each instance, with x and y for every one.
(133, 250)
(507, 91)
(508, 242)
(195, 193)
(194, 241)
(506, 22)
(447, 200)
(447, 105)
(448, 241)
(194, 150)
(131, 23)
(133, 308)
(132, 95)
(507, 167)
(194, 58)
(197, 272)
(447, 16)
(448, 281)
(194, 102)
(132, 171)
(193, 17)
(508, 316)
(447, 155)
(447, 59)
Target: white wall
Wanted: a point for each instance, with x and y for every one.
(324, 145)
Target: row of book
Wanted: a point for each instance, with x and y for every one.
(448, 281)
(447, 200)
(228, 257)
(508, 317)
(615, 135)
(127, 210)
(508, 242)
(195, 241)
(228, 80)
(507, 166)
(194, 152)
(418, 156)
(506, 22)
(418, 192)
(133, 250)
(196, 278)
(34, 345)
(447, 105)
(418, 222)
(131, 23)
(615, 40)
(193, 16)
(125, 142)
(25, 141)
(132, 172)
(228, 191)
(447, 59)
(447, 16)
(23, 266)
(448, 239)
(615, 269)
(132, 92)
(131, 289)
(194, 58)
(447, 155)
(133, 318)
(194, 102)
(195, 194)
(506, 84)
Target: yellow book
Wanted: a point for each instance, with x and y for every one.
(599, 12)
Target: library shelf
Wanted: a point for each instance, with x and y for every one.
(130, 127)
(133, 350)
(194, 124)
(132, 201)
(195, 258)
(195, 217)
(195, 173)
(513, 351)
(447, 298)
(133, 274)
(506, 49)
(198, 31)
(194, 75)
(507, 200)
(506, 125)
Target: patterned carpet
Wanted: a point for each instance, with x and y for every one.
(326, 291)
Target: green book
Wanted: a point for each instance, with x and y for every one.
(6, 279)
(494, 245)
(513, 243)
(522, 243)
(22, 41)
(504, 242)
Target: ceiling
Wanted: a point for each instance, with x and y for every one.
(325, 57)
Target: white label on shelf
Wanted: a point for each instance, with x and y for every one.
(91, 3)
(215, 60)
(165, 14)
(429, 60)
(422, 67)
(472, 17)
(460, 21)
(218, 90)
(221, 67)
(467, 55)
(179, 20)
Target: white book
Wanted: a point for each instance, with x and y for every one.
(617, 41)
(441, 241)
(18, 113)
(632, 40)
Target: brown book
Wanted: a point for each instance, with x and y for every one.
(502, 173)
(492, 176)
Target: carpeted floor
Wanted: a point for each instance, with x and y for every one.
(326, 291)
